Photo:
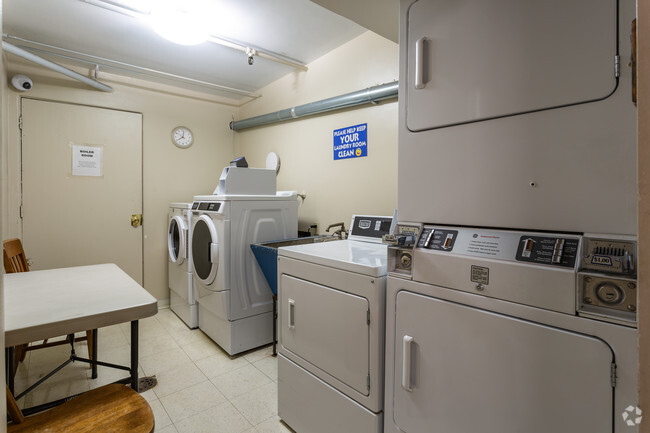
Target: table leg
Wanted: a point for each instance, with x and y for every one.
(275, 325)
(9, 362)
(134, 355)
(94, 352)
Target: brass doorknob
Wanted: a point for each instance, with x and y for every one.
(136, 220)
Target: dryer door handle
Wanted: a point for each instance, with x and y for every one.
(292, 313)
(214, 252)
(407, 348)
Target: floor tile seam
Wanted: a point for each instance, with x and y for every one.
(222, 374)
(167, 370)
(189, 416)
(220, 404)
(188, 355)
(243, 415)
(260, 370)
(250, 391)
(265, 420)
(238, 395)
(187, 361)
(165, 409)
(225, 399)
(188, 386)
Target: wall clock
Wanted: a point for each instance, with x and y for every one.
(182, 137)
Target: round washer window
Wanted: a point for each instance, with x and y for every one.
(201, 240)
(174, 240)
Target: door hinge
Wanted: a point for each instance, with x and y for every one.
(612, 375)
(20, 122)
(21, 211)
(368, 381)
(617, 66)
(368, 316)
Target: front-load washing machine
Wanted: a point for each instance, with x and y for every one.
(182, 299)
(331, 318)
(235, 303)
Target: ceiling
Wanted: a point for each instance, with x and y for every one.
(120, 42)
(380, 16)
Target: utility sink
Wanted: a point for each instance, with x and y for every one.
(266, 254)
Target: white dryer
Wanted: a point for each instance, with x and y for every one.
(182, 299)
(235, 303)
(331, 325)
(507, 331)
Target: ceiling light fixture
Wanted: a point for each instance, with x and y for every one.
(179, 25)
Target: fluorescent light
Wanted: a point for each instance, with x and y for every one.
(179, 25)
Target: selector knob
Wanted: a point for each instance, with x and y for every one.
(609, 293)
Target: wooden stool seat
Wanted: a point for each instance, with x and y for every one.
(110, 408)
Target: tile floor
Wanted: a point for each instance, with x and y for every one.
(200, 388)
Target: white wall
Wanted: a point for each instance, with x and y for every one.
(3, 206)
(335, 189)
(170, 174)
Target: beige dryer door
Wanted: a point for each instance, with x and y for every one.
(77, 208)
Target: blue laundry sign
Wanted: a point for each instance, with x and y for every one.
(351, 142)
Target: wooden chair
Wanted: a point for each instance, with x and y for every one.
(14, 261)
(115, 408)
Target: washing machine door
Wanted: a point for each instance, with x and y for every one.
(205, 249)
(177, 239)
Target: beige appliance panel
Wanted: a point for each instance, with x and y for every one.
(327, 328)
(462, 369)
(475, 60)
(74, 220)
(570, 168)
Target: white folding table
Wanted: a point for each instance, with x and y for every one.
(50, 303)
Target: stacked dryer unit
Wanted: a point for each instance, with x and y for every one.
(235, 302)
(511, 292)
(182, 299)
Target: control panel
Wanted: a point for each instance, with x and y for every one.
(400, 248)
(600, 283)
(438, 239)
(369, 228)
(607, 286)
(209, 206)
(548, 250)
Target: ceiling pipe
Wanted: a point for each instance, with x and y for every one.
(55, 67)
(52, 50)
(369, 95)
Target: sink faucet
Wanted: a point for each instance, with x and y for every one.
(341, 233)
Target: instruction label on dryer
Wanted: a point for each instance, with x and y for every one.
(351, 142)
(480, 274)
(485, 245)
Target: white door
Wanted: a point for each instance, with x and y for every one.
(77, 209)
(471, 60)
(327, 328)
(461, 369)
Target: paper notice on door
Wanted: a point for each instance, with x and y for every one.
(86, 160)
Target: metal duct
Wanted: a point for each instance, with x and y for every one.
(55, 67)
(371, 94)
